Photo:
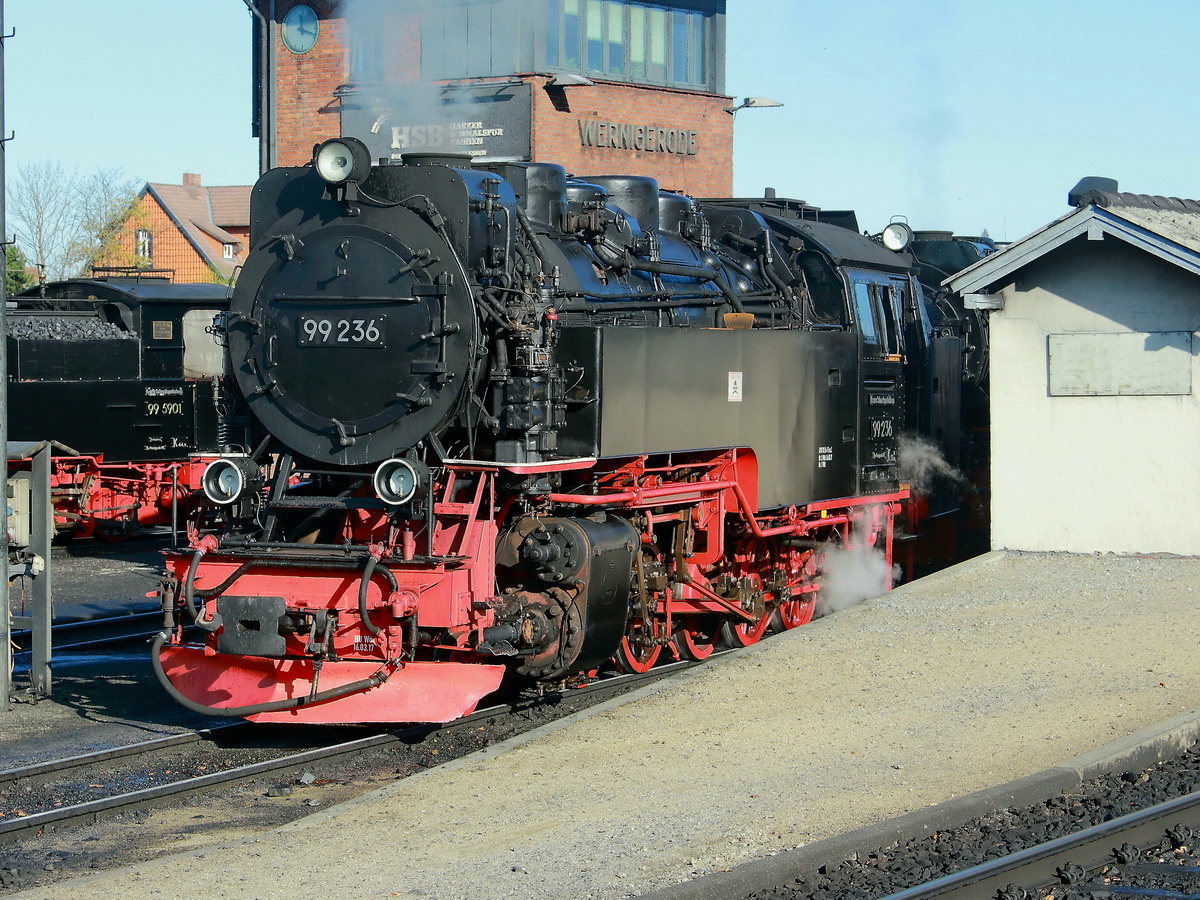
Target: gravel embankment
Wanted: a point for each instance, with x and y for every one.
(891, 869)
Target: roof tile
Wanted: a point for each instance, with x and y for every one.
(199, 211)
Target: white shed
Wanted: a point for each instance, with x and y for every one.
(1095, 411)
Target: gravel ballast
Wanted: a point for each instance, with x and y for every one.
(997, 670)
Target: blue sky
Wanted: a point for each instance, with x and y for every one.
(956, 114)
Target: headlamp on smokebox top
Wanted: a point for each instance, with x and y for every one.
(897, 236)
(342, 163)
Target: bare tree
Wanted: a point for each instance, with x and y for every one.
(68, 223)
(41, 204)
(108, 210)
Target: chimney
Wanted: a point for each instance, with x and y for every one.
(190, 179)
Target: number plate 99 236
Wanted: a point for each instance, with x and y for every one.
(316, 331)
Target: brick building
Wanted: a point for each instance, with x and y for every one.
(198, 233)
(599, 86)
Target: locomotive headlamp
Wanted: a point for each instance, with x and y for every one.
(341, 160)
(897, 236)
(230, 477)
(398, 481)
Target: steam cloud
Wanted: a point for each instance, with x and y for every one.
(397, 111)
(854, 573)
(922, 464)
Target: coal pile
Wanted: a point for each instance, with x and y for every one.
(900, 866)
(64, 328)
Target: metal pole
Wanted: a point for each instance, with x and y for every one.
(41, 533)
(266, 85)
(6, 656)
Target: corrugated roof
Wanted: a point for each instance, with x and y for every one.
(1110, 199)
(1180, 224)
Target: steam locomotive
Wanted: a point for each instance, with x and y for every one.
(499, 420)
(123, 375)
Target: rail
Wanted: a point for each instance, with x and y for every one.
(1069, 860)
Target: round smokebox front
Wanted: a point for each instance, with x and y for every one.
(353, 351)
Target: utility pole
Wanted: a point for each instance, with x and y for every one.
(6, 654)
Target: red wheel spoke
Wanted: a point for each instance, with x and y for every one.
(693, 641)
(637, 656)
(793, 613)
(743, 633)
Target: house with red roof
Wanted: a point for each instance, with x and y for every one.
(196, 233)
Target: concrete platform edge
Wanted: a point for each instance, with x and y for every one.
(1140, 750)
(967, 565)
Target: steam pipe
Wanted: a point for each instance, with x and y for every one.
(768, 269)
(539, 252)
(239, 712)
(685, 291)
(289, 564)
(604, 307)
(189, 595)
(701, 273)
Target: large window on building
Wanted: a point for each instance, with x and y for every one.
(629, 41)
(671, 43)
(366, 52)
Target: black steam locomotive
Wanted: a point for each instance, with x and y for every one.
(502, 420)
(123, 373)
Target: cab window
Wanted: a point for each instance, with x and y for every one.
(885, 313)
(864, 313)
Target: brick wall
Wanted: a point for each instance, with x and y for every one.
(682, 138)
(306, 110)
(171, 250)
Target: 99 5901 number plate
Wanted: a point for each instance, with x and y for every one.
(321, 331)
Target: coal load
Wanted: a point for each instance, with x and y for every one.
(59, 328)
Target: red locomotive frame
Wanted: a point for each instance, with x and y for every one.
(92, 498)
(727, 574)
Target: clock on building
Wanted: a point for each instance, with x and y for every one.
(300, 27)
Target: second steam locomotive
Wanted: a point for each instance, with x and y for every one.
(495, 419)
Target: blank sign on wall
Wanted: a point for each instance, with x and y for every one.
(1130, 363)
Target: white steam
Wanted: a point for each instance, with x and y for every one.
(923, 466)
(401, 55)
(853, 572)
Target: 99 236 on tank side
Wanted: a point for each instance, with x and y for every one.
(505, 421)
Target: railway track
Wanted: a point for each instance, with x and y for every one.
(164, 770)
(1149, 853)
(89, 634)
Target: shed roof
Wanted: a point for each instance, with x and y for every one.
(1166, 227)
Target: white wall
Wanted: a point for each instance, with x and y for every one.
(1102, 473)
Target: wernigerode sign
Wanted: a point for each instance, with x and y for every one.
(647, 138)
